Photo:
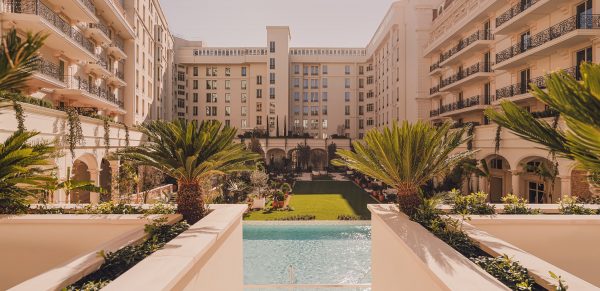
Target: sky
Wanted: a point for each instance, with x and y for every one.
(322, 23)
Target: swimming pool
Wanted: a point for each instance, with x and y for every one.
(307, 254)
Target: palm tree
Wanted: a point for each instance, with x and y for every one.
(481, 170)
(18, 59)
(406, 157)
(191, 152)
(23, 166)
(578, 102)
(53, 184)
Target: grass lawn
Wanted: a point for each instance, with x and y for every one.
(324, 199)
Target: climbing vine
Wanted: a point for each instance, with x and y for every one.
(470, 133)
(75, 134)
(19, 115)
(106, 134)
(497, 139)
(126, 133)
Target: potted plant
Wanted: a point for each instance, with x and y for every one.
(286, 188)
(278, 199)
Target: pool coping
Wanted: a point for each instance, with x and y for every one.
(308, 222)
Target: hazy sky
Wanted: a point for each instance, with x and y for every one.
(342, 23)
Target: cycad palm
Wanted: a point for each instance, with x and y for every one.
(191, 152)
(22, 169)
(577, 102)
(406, 157)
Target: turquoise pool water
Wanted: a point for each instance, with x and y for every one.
(307, 254)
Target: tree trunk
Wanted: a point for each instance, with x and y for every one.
(190, 202)
(408, 201)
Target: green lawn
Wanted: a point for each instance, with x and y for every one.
(316, 198)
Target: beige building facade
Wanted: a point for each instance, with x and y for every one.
(483, 52)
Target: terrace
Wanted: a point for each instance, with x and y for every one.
(520, 91)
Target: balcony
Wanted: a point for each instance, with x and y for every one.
(48, 75)
(520, 91)
(79, 10)
(98, 67)
(515, 18)
(474, 73)
(461, 106)
(98, 32)
(434, 91)
(570, 32)
(117, 78)
(33, 15)
(91, 95)
(476, 41)
(114, 14)
(435, 68)
(117, 48)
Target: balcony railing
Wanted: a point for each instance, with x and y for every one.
(79, 83)
(50, 69)
(514, 11)
(483, 67)
(102, 61)
(36, 7)
(89, 5)
(461, 104)
(118, 42)
(119, 74)
(564, 27)
(100, 26)
(464, 43)
(523, 88)
(434, 67)
(545, 114)
(433, 90)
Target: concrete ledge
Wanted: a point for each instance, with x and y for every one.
(405, 253)
(106, 237)
(208, 256)
(521, 228)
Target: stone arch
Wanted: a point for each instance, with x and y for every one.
(499, 183)
(85, 168)
(276, 158)
(538, 180)
(318, 159)
(105, 180)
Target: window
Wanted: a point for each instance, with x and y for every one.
(272, 93)
(525, 41)
(296, 69)
(361, 96)
(258, 107)
(324, 83)
(496, 164)
(314, 124)
(347, 70)
(314, 96)
(211, 84)
(258, 93)
(227, 110)
(370, 107)
(195, 71)
(582, 56)
(244, 84)
(347, 83)
(324, 96)
(305, 83)
(272, 78)
(361, 110)
(244, 110)
(195, 97)
(227, 97)
(314, 70)
(361, 83)
(227, 123)
(272, 108)
(347, 124)
(324, 69)
(258, 120)
(244, 98)
(243, 71)
(533, 167)
(370, 122)
(227, 84)
(296, 110)
(324, 124)
(305, 96)
(228, 72)
(361, 70)
(211, 111)
(211, 97)
(195, 110)
(296, 83)
(324, 109)
(524, 80)
(296, 96)
(272, 63)
(272, 46)
(347, 96)
(259, 80)
(244, 123)
(305, 70)
(314, 83)
(361, 124)
(347, 110)
(305, 110)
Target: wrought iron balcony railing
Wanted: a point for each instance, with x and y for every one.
(89, 5)
(514, 11)
(433, 90)
(100, 26)
(464, 43)
(434, 67)
(523, 88)
(564, 27)
(50, 69)
(84, 85)
(483, 67)
(36, 7)
(118, 42)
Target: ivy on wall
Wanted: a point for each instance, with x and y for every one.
(106, 135)
(497, 139)
(75, 134)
